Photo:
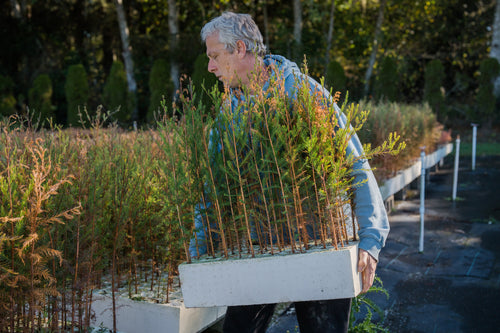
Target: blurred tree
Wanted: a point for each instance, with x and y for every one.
(335, 77)
(40, 99)
(485, 99)
(173, 27)
(203, 80)
(115, 94)
(77, 93)
(127, 57)
(386, 82)
(329, 37)
(297, 31)
(495, 44)
(433, 89)
(7, 99)
(160, 88)
(48, 36)
(375, 46)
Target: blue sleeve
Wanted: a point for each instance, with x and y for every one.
(199, 235)
(369, 207)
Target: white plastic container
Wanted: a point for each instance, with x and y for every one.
(139, 316)
(314, 275)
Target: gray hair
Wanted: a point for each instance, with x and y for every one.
(233, 27)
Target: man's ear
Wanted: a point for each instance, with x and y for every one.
(241, 48)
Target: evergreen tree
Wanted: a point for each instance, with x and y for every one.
(115, 92)
(7, 99)
(485, 99)
(203, 80)
(335, 77)
(160, 87)
(77, 93)
(433, 93)
(386, 84)
(40, 98)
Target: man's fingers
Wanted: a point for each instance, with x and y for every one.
(362, 261)
(366, 266)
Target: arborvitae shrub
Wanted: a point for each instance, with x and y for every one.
(386, 84)
(489, 70)
(7, 99)
(115, 92)
(203, 80)
(335, 77)
(77, 92)
(433, 94)
(160, 87)
(40, 98)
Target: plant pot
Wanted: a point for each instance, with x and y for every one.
(315, 275)
(138, 316)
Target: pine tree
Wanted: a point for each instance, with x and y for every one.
(386, 86)
(335, 77)
(160, 87)
(40, 98)
(77, 93)
(489, 69)
(203, 80)
(433, 94)
(7, 99)
(115, 92)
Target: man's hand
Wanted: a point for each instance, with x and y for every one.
(366, 266)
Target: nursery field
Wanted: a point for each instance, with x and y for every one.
(89, 208)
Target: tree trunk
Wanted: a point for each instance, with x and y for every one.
(266, 24)
(16, 9)
(173, 26)
(495, 45)
(127, 57)
(329, 36)
(376, 41)
(297, 29)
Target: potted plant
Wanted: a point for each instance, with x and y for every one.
(267, 177)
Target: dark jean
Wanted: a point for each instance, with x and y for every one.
(313, 316)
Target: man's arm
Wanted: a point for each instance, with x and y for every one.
(369, 210)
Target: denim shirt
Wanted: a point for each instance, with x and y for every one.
(369, 206)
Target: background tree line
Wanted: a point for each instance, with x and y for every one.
(63, 55)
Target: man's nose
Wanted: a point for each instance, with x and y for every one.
(211, 66)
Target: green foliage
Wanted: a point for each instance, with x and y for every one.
(99, 202)
(160, 87)
(386, 83)
(417, 124)
(335, 77)
(256, 162)
(7, 99)
(485, 99)
(77, 93)
(115, 94)
(363, 302)
(433, 88)
(205, 80)
(87, 33)
(40, 98)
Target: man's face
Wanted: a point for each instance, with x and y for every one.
(221, 62)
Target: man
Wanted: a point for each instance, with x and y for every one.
(236, 52)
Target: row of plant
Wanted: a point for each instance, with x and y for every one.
(271, 173)
(417, 124)
(79, 206)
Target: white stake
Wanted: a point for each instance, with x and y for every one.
(474, 133)
(455, 170)
(422, 200)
